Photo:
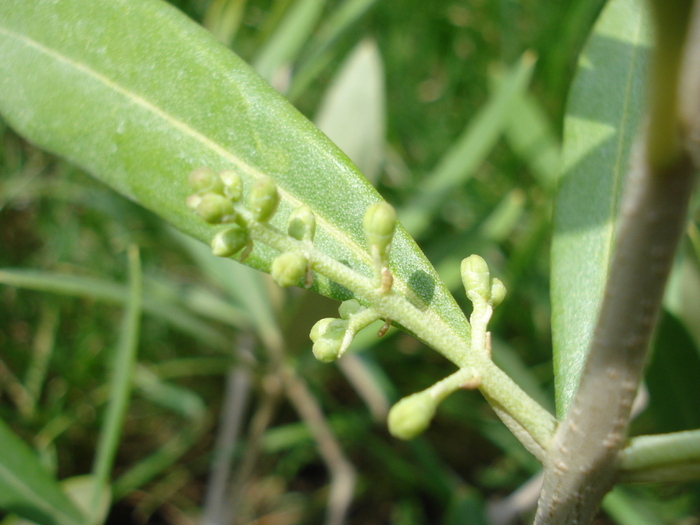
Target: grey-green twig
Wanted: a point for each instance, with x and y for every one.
(220, 199)
(584, 460)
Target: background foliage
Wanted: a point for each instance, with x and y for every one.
(65, 239)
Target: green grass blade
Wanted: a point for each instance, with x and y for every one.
(532, 138)
(42, 350)
(469, 151)
(321, 50)
(120, 384)
(223, 18)
(27, 490)
(184, 403)
(139, 96)
(284, 45)
(158, 301)
(243, 285)
(627, 509)
(602, 118)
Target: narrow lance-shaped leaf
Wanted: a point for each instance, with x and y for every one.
(602, 120)
(27, 489)
(139, 96)
(352, 111)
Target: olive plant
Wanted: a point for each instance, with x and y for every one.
(225, 158)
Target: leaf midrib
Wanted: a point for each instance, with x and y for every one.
(620, 168)
(334, 232)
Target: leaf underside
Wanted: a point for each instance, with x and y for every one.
(138, 95)
(602, 119)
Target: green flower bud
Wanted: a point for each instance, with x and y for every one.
(229, 241)
(302, 224)
(379, 224)
(205, 179)
(215, 209)
(498, 292)
(411, 416)
(349, 308)
(327, 335)
(233, 185)
(263, 199)
(476, 277)
(289, 268)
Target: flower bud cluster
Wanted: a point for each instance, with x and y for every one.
(214, 202)
(478, 284)
(221, 199)
(332, 337)
(290, 267)
(216, 199)
(327, 336)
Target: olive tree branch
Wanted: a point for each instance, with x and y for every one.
(583, 459)
(221, 199)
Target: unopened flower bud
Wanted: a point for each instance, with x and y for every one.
(215, 209)
(476, 277)
(498, 292)
(349, 308)
(205, 179)
(193, 201)
(233, 185)
(411, 416)
(229, 241)
(263, 199)
(327, 335)
(302, 224)
(379, 224)
(289, 268)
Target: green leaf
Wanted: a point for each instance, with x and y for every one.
(602, 118)
(138, 95)
(672, 377)
(352, 112)
(26, 489)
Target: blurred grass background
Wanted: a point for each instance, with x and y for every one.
(223, 352)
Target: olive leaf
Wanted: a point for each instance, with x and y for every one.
(602, 119)
(139, 96)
